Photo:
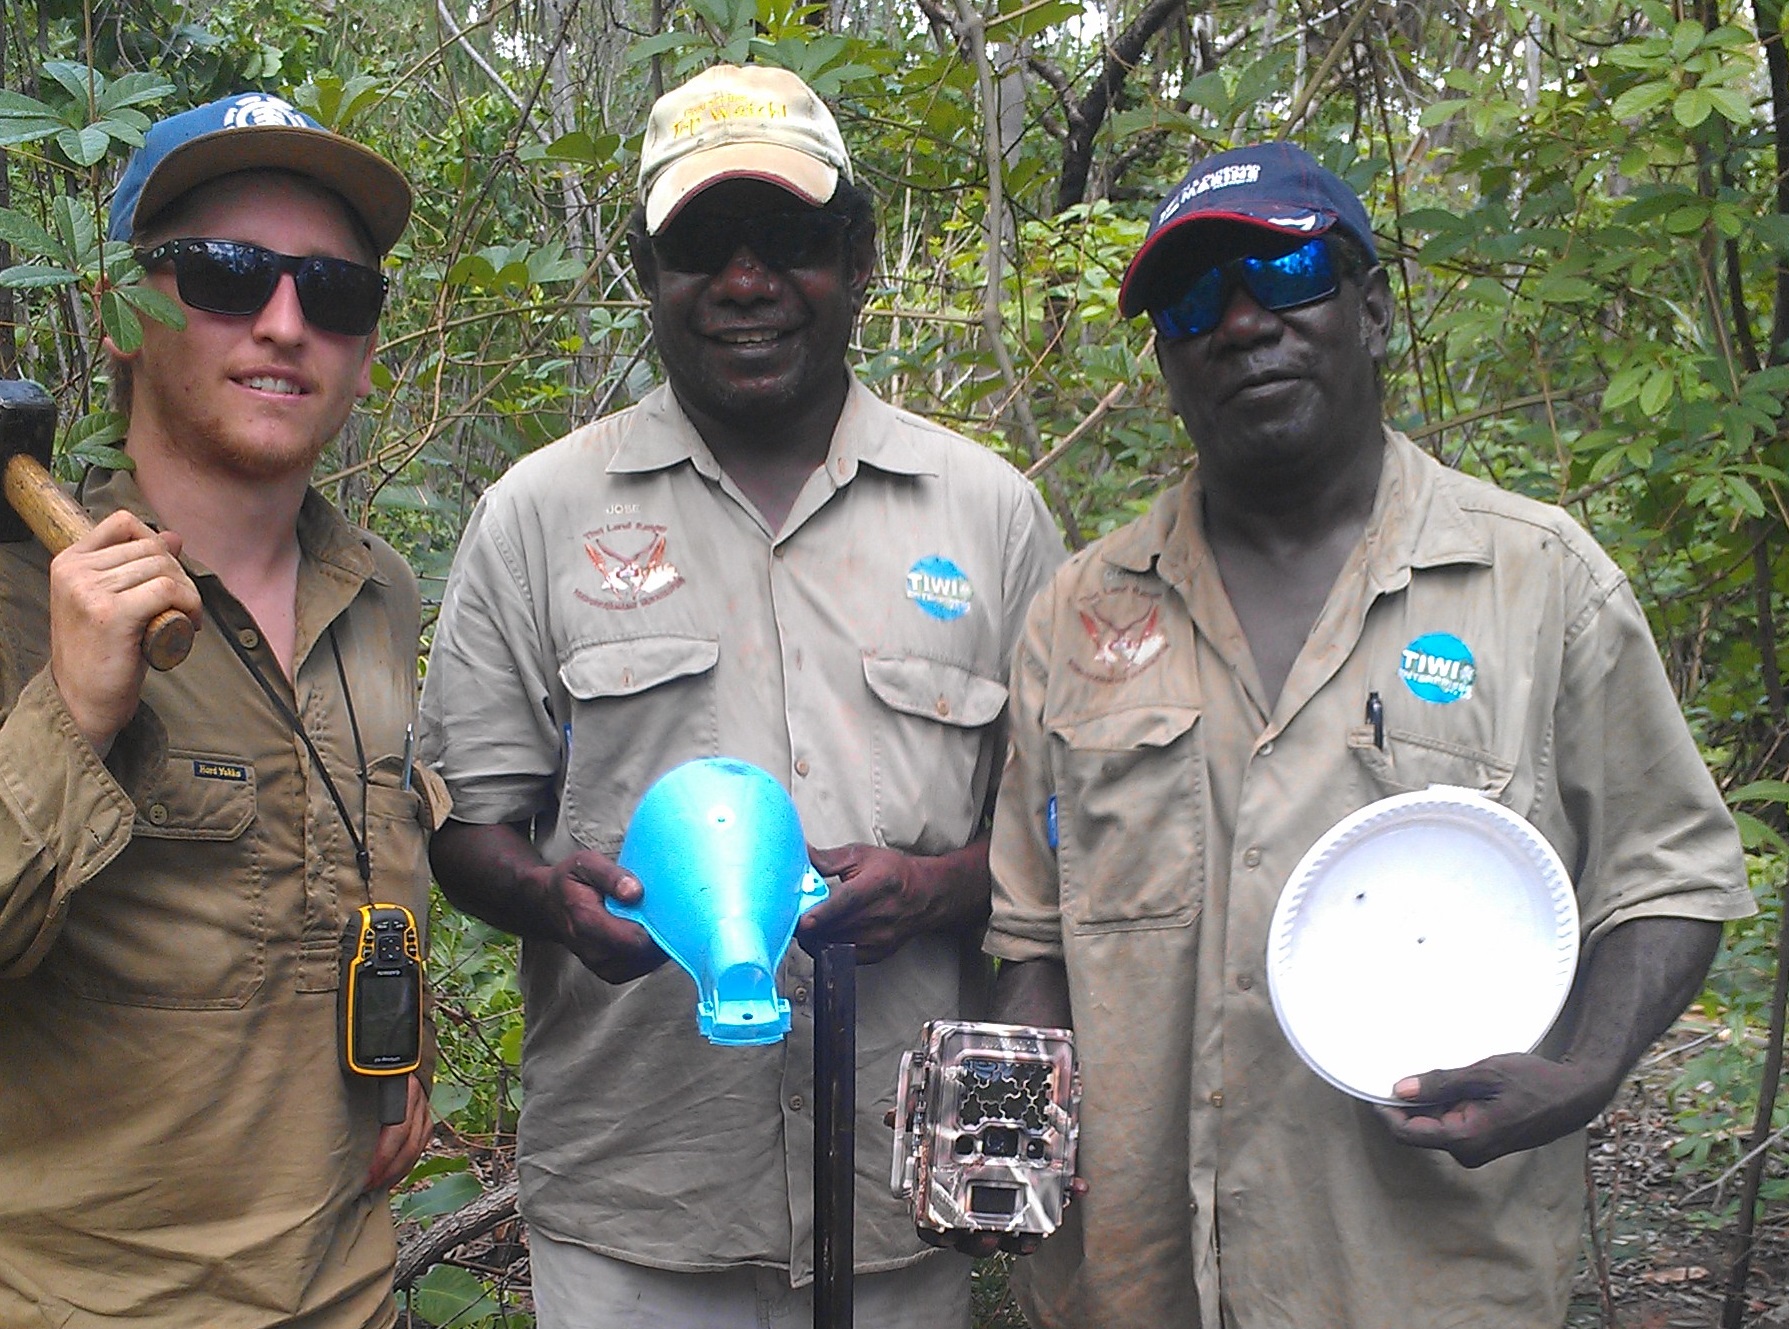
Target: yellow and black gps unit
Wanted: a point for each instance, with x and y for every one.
(379, 1001)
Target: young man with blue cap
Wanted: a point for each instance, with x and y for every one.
(180, 851)
(759, 560)
(1200, 695)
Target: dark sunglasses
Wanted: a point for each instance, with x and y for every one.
(780, 240)
(231, 277)
(1302, 277)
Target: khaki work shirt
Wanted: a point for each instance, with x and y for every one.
(616, 608)
(1182, 803)
(178, 1145)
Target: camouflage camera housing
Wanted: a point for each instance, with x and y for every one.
(985, 1127)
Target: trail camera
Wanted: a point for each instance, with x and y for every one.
(985, 1126)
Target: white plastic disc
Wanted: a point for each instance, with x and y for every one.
(1426, 931)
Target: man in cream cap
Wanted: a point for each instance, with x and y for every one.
(759, 560)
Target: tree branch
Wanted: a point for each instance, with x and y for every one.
(1084, 120)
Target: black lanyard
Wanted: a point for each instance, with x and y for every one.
(363, 859)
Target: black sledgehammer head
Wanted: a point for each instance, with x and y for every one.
(28, 426)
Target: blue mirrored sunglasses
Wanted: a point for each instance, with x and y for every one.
(1302, 277)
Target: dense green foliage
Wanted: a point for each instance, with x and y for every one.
(1580, 205)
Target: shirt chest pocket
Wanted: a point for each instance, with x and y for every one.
(933, 755)
(1130, 815)
(639, 707)
(1410, 761)
(179, 919)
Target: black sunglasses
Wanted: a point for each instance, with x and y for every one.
(780, 240)
(1302, 277)
(231, 277)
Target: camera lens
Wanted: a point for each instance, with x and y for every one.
(1000, 1142)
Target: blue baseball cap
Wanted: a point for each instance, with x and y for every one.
(255, 131)
(1274, 186)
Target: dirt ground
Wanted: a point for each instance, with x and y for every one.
(1666, 1263)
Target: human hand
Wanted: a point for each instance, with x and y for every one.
(400, 1145)
(105, 588)
(1494, 1107)
(572, 892)
(883, 897)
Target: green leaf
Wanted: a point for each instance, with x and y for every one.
(1760, 791)
(1030, 22)
(448, 1098)
(1657, 391)
(1640, 99)
(1755, 834)
(120, 322)
(1624, 386)
(448, 1294)
(445, 1196)
(661, 44)
(30, 276)
(93, 433)
(1692, 107)
(1731, 103)
(75, 225)
(84, 147)
(28, 237)
(509, 1047)
(154, 304)
(1685, 38)
(436, 1166)
(74, 77)
(577, 146)
(134, 89)
(1439, 113)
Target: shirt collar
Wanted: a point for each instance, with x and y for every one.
(662, 436)
(323, 533)
(1415, 524)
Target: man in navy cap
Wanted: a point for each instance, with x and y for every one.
(180, 852)
(1320, 617)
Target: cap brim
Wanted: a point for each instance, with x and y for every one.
(806, 177)
(1144, 272)
(372, 186)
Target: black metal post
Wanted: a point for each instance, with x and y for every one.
(835, 1135)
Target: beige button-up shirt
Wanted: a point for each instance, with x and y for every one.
(617, 607)
(178, 1144)
(1223, 1172)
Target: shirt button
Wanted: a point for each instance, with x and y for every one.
(801, 767)
(158, 814)
(797, 1102)
(1252, 858)
(1245, 981)
(1217, 1098)
(1266, 747)
(776, 551)
(801, 995)
(249, 639)
(943, 706)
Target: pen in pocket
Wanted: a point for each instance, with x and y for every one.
(1376, 718)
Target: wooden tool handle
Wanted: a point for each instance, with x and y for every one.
(58, 521)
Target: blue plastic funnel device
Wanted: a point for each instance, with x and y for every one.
(719, 851)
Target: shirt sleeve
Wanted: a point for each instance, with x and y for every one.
(1655, 837)
(486, 723)
(64, 813)
(1027, 918)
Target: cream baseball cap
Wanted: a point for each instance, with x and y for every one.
(733, 123)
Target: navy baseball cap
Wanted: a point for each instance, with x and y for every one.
(1275, 186)
(255, 131)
